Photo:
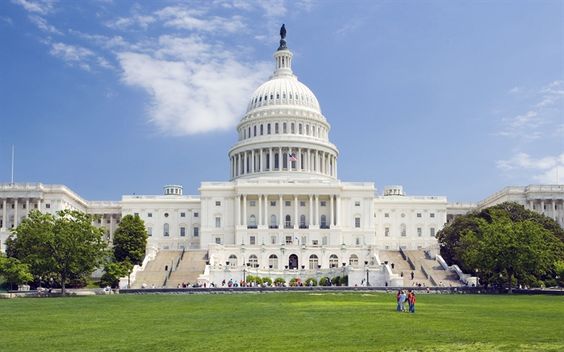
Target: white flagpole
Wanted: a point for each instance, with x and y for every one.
(12, 164)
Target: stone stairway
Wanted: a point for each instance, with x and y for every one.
(191, 266)
(401, 265)
(157, 269)
(440, 276)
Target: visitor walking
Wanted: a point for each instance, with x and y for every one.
(411, 300)
(398, 295)
(403, 298)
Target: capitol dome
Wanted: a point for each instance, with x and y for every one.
(283, 132)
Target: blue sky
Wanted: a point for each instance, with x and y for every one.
(453, 98)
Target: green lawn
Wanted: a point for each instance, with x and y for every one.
(282, 321)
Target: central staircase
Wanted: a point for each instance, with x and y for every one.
(170, 268)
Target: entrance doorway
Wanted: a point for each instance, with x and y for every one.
(293, 261)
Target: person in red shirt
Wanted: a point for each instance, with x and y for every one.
(411, 301)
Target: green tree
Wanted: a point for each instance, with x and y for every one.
(130, 242)
(14, 271)
(506, 244)
(66, 245)
(113, 272)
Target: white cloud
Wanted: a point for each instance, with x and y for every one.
(274, 8)
(43, 25)
(196, 19)
(36, 6)
(79, 56)
(142, 21)
(192, 92)
(548, 169)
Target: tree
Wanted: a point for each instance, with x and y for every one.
(505, 243)
(113, 272)
(130, 242)
(14, 271)
(65, 246)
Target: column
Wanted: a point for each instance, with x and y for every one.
(317, 210)
(39, 204)
(261, 157)
(542, 206)
(332, 221)
(310, 211)
(245, 210)
(27, 207)
(338, 210)
(270, 161)
(15, 212)
(266, 219)
(295, 212)
(335, 167)
(238, 210)
(111, 227)
(280, 220)
(299, 162)
(253, 166)
(260, 210)
(4, 214)
(554, 210)
(244, 154)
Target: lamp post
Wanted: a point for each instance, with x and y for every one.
(367, 272)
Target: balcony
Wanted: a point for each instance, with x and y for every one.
(303, 226)
(324, 226)
(288, 225)
(273, 226)
(251, 226)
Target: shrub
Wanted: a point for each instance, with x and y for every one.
(279, 281)
(336, 281)
(345, 280)
(294, 281)
(311, 282)
(252, 278)
(324, 281)
(267, 281)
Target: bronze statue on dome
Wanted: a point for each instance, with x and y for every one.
(282, 38)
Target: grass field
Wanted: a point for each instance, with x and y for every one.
(282, 321)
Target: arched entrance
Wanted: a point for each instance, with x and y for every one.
(293, 261)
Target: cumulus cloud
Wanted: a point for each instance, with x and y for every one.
(142, 21)
(42, 7)
(192, 91)
(43, 25)
(196, 19)
(548, 169)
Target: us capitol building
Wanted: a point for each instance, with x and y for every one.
(284, 212)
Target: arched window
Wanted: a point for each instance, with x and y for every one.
(232, 260)
(313, 262)
(303, 222)
(166, 230)
(333, 261)
(276, 160)
(293, 128)
(288, 222)
(323, 223)
(276, 128)
(253, 260)
(273, 223)
(252, 221)
(273, 261)
(254, 131)
(353, 260)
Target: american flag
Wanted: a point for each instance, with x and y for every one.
(292, 157)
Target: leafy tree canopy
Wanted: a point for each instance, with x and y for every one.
(130, 240)
(64, 246)
(504, 243)
(14, 271)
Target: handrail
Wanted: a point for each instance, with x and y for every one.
(407, 258)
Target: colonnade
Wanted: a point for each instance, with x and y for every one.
(553, 208)
(283, 159)
(311, 214)
(16, 205)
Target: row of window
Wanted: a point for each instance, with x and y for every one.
(403, 231)
(313, 261)
(24, 205)
(166, 215)
(277, 97)
(419, 215)
(284, 128)
(181, 229)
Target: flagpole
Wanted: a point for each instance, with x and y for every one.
(12, 164)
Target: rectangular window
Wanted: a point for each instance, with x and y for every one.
(149, 215)
(253, 240)
(182, 231)
(324, 240)
(253, 203)
(315, 242)
(432, 215)
(272, 203)
(261, 130)
(218, 240)
(217, 203)
(357, 222)
(268, 128)
(432, 232)
(323, 203)
(272, 239)
(196, 231)
(418, 215)
(302, 204)
(48, 206)
(387, 232)
(182, 215)
(288, 203)
(357, 204)
(150, 231)
(196, 214)
(284, 128)
(288, 239)
(135, 214)
(386, 215)
(276, 128)
(217, 222)
(419, 232)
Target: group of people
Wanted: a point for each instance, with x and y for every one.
(402, 297)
